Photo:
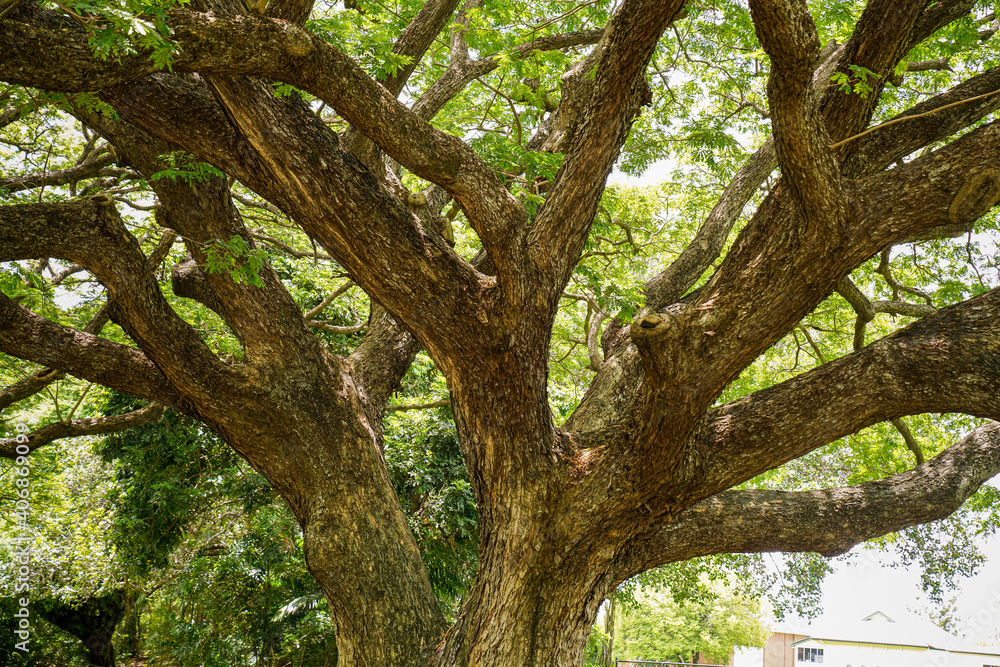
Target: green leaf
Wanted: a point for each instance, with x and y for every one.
(237, 258)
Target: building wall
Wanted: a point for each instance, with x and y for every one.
(847, 654)
(844, 654)
(779, 652)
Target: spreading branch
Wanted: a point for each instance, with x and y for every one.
(788, 35)
(264, 317)
(285, 52)
(746, 305)
(42, 378)
(964, 185)
(29, 386)
(707, 244)
(462, 71)
(933, 365)
(25, 335)
(91, 233)
(328, 300)
(928, 122)
(382, 358)
(416, 38)
(886, 31)
(411, 45)
(866, 309)
(96, 164)
(670, 285)
(757, 520)
(307, 173)
(619, 91)
(611, 393)
(909, 439)
(77, 427)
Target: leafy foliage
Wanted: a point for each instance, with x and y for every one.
(660, 628)
(167, 473)
(128, 28)
(183, 167)
(857, 82)
(237, 258)
(425, 462)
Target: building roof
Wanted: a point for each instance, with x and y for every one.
(899, 630)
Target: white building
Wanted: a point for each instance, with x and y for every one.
(875, 641)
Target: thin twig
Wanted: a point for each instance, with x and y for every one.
(328, 300)
(419, 406)
(900, 120)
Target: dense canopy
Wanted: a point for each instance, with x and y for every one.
(275, 218)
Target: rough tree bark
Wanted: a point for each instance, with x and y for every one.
(641, 474)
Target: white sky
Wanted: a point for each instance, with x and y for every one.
(858, 588)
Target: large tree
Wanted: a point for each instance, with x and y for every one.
(643, 471)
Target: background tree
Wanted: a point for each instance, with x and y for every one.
(171, 541)
(657, 627)
(727, 346)
(77, 584)
(201, 564)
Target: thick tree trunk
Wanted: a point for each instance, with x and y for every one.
(541, 578)
(357, 543)
(93, 621)
(526, 610)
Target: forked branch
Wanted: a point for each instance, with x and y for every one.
(933, 365)
(77, 427)
(758, 520)
(619, 91)
(285, 52)
(91, 232)
(25, 335)
(787, 33)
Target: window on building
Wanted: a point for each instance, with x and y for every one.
(810, 655)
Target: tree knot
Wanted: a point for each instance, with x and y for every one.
(298, 42)
(979, 193)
